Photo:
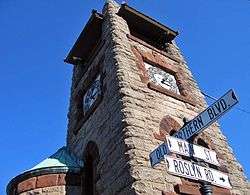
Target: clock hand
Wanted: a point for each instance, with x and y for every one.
(164, 81)
(94, 94)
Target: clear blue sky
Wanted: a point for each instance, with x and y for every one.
(35, 37)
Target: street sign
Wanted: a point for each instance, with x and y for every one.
(185, 148)
(208, 116)
(193, 171)
(182, 147)
(157, 155)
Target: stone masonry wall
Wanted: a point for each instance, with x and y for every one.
(159, 105)
(145, 108)
(55, 190)
(105, 125)
(130, 113)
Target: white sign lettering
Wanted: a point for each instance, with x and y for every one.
(185, 148)
(158, 154)
(182, 147)
(208, 116)
(193, 171)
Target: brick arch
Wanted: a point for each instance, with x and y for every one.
(168, 126)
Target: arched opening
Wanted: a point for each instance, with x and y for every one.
(90, 176)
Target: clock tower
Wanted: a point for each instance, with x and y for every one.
(131, 86)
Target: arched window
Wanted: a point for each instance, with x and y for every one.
(90, 176)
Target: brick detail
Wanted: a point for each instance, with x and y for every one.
(169, 93)
(139, 62)
(191, 188)
(221, 191)
(26, 185)
(44, 181)
(167, 125)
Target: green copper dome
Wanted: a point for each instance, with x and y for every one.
(60, 162)
(62, 158)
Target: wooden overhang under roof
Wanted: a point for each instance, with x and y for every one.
(87, 40)
(139, 24)
(145, 26)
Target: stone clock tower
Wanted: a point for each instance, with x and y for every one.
(130, 87)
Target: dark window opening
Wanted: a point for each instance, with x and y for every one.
(146, 28)
(158, 43)
(89, 177)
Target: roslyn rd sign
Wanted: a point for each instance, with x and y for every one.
(193, 171)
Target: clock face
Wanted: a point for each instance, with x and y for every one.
(162, 78)
(92, 94)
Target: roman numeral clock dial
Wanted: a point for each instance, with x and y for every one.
(92, 94)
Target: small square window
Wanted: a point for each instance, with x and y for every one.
(162, 78)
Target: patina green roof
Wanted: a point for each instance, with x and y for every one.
(62, 158)
(60, 162)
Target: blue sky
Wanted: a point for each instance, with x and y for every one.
(35, 82)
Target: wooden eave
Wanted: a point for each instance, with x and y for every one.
(87, 40)
(146, 26)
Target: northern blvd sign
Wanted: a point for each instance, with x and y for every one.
(182, 147)
(208, 116)
(193, 171)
